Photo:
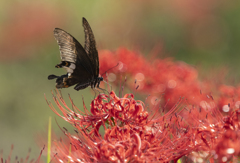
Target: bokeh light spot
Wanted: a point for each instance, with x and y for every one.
(230, 150)
(237, 104)
(225, 108)
(172, 83)
(205, 105)
(139, 77)
(122, 67)
(111, 77)
(199, 160)
(224, 159)
(215, 156)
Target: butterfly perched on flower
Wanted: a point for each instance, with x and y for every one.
(82, 64)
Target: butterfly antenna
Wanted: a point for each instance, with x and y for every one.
(109, 69)
(94, 93)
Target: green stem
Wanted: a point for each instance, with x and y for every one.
(49, 140)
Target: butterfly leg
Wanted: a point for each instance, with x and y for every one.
(96, 90)
(99, 93)
(97, 85)
(108, 84)
(102, 89)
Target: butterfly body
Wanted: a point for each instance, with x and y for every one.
(82, 64)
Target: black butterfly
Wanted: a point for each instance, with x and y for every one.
(82, 64)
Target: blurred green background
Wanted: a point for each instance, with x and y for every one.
(205, 34)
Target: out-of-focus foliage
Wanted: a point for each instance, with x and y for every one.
(203, 33)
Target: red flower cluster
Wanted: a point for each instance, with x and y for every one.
(131, 134)
(193, 126)
(167, 79)
(228, 145)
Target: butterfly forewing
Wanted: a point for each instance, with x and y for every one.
(71, 50)
(82, 64)
(90, 47)
(66, 45)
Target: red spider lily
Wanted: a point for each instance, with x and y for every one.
(228, 145)
(167, 79)
(153, 78)
(162, 76)
(131, 134)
